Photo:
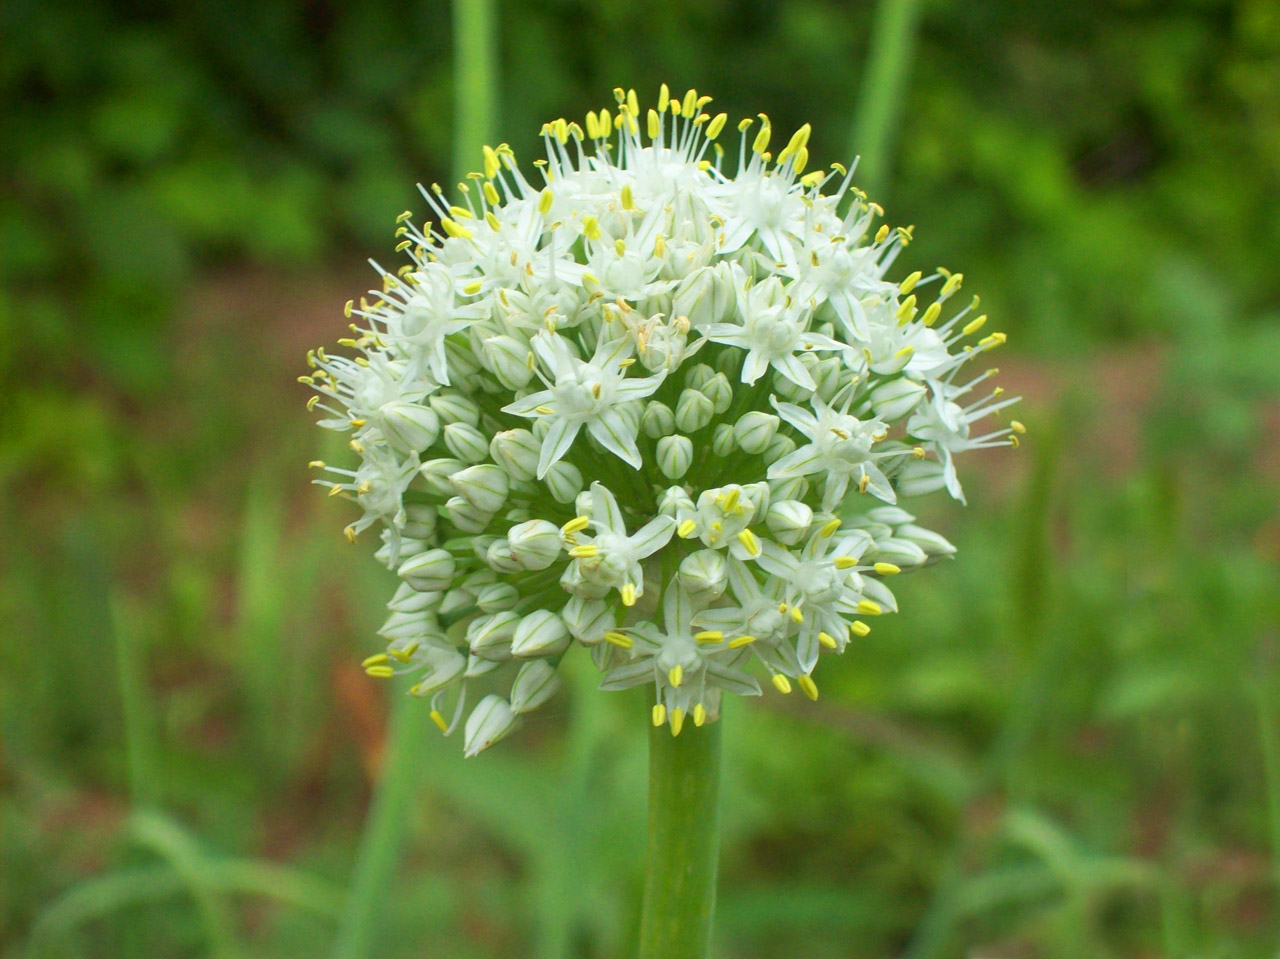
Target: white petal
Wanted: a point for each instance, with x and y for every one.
(653, 536)
(558, 440)
(611, 432)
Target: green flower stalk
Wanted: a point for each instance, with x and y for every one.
(637, 403)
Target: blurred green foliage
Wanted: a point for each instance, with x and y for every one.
(1068, 744)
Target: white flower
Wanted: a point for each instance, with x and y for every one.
(562, 409)
(585, 394)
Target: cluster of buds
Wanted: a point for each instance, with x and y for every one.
(644, 406)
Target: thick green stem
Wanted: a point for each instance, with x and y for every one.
(884, 85)
(684, 842)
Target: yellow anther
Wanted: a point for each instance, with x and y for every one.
(591, 227)
(713, 130)
(346, 310)
(801, 160)
(827, 640)
(628, 593)
(690, 105)
(677, 721)
(406, 215)
(845, 562)
(907, 308)
(887, 569)
(491, 165)
(660, 246)
(859, 628)
(869, 607)
(491, 194)
(316, 465)
(585, 551)
(709, 636)
(809, 686)
(633, 103)
(439, 721)
(561, 129)
(685, 529)
(596, 390)
(882, 234)
(335, 490)
(380, 672)
(813, 179)
(659, 714)
(664, 96)
(1017, 426)
(796, 614)
(798, 141)
(744, 125)
(628, 198)
(761, 143)
(620, 247)
(750, 542)
(462, 212)
(472, 288)
(654, 124)
(739, 641)
(863, 482)
(576, 525)
(993, 339)
(829, 528)
(380, 659)
(406, 654)
(545, 199)
(676, 675)
(307, 380)
(621, 640)
(454, 229)
(543, 410)
(350, 533)
(492, 220)
(909, 284)
(781, 683)
(729, 501)
(905, 351)
(699, 714)
(931, 314)
(606, 123)
(952, 284)
(593, 125)
(358, 423)
(974, 325)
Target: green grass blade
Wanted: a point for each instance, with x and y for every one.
(889, 55)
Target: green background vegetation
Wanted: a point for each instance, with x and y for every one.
(1067, 744)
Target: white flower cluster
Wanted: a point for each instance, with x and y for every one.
(650, 407)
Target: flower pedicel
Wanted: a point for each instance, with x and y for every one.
(649, 407)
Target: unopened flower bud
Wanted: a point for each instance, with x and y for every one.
(541, 633)
(698, 376)
(466, 443)
(490, 636)
(455, 408)
(755, 430)
(465, 517)
(409, 600)
(437, 473)
(535, 684)
(443, 667)
(932, 543)
(722, 442)
(507, 358)
(485, 486)
(674, 500)
(491, 720)
(496, 597)
(429, 571)
(657, 420)
(408, 427)
(795, 487)
(589, 619)
(704, 574)
(414, 625)
(564, 482)
(921, 476)
(419, 521)
(499, 559)
(516, 451)
(693, 411)
(675, 454)
(899, 552)
(779, 447)
(789, 521)
(718, 391)
(897, 398)
(478, 667)
(535, 544)
(457, 601)
(706, 295)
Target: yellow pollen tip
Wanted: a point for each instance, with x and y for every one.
(827, 640)
(829, 529)
(454, 229)
(316, 465)
(713, 130)
(699, 714)
(585, 551)
(380, 672)
(1017, 426)
(859, 628)
(628, 593)
(709, 636)
(621, 640)
(575, 525)
(628, 198)
(379, 659)
(439, 721)
(739, 641)
(659, 714)
(973, 326)
(809, 686)
(910, 282)
(796, 614)
(473, 287)
(685, 529)
(869, 607)
(654, 125)
(845, 562)
(677, 721)
(931, 314)
(887, 569)
(781, 683)
(676, 675)
(750, 542)
(882, 234)
(545, 199)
